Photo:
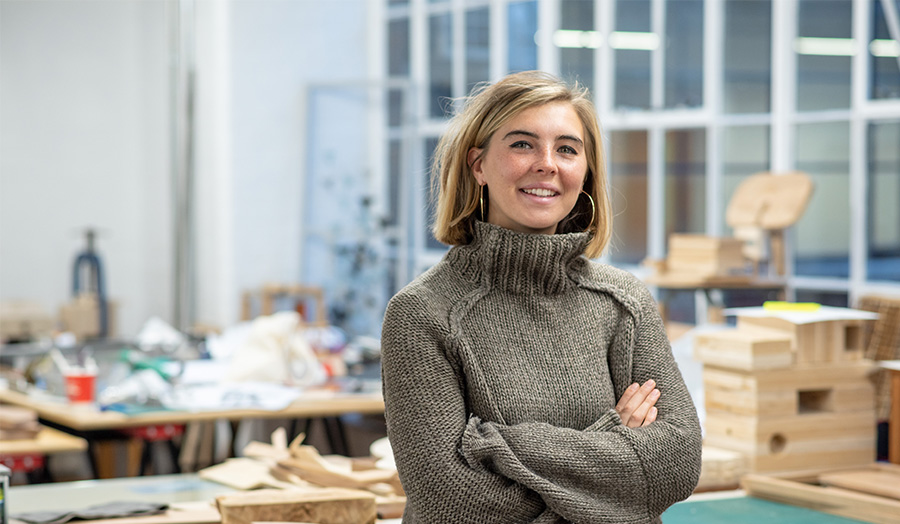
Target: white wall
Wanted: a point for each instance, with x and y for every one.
(83, 123)
(84, 140)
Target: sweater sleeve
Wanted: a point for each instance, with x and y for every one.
(426, 415)
(607, 472)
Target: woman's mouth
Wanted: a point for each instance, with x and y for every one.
(540, 192)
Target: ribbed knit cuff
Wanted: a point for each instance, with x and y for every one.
(609, 420)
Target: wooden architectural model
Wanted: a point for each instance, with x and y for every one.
(790, 390)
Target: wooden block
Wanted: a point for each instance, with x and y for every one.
(744, 349)
(720, 468)
(323, 506)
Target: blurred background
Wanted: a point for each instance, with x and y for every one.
(216, 146)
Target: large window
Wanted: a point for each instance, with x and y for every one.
(786, 85)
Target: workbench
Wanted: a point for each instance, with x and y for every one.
(97, 426)
(734, 507)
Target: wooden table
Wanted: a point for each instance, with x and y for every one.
(893, 369)
(708, 307)
(95, 426)
(31, 453)
(314, 405)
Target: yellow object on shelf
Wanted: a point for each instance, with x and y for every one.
(774, 305)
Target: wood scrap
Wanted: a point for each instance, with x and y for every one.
(306, 462)
(804, 490)
(245, 474)
(883, 483)
(322, 506)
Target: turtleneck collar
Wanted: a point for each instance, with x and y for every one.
(520, 263)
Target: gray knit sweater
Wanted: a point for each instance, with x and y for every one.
(502, 366)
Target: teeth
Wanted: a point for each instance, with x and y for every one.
(540, 192)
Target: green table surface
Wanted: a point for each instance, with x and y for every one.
(746, 510)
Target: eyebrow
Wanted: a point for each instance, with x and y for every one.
(534, 135)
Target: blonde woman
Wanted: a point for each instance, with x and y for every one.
(522, 381)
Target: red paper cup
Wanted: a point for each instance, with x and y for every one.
(80, 387)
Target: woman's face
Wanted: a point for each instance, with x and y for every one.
(534, 168)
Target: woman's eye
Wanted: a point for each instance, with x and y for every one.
(568, 150)
(520, 145)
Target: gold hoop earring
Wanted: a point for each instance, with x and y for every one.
(481, 200)
(593, 210)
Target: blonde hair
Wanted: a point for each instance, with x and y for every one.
(487, 110)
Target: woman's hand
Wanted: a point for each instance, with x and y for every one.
(637, 407)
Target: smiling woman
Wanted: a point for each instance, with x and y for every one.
(522, 381)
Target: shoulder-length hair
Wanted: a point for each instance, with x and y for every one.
(488, 109)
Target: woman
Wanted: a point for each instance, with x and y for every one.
(523, 382)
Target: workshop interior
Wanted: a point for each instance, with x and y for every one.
(207, 205)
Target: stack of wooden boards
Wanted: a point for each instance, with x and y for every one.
(18, 423)
(298, 483)
(871, 494)
(790, 390)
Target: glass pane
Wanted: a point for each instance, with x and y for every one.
(883, 51)
(684, 53)
(395, 107)
(478, 51)
(822, 235)
(883, 211)
(685, 181)
(823, 51)
(577, 63)
(428, 198)
(745, 151)
(632, 64)
(826, 298)
(522, 28)
(398, 47)
(747, 56)
(395, 166)
(628, 178)
(440, 52)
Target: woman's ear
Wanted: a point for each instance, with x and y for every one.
(473, 159)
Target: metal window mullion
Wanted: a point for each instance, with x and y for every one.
(858, 149)
(656, 213)
(418, 31)
(604, 61)
(657, 56)
(713, 31)
(784, 93)
(548, 23)
(458, 45)
(499, 39)
(784, 84)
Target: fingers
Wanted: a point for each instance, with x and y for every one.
(637, 406)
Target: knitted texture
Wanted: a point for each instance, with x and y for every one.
(501, 368)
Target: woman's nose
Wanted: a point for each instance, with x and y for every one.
(545, 162)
